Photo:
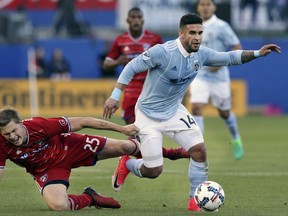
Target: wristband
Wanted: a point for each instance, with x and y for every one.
(256, 53)
(116, 93)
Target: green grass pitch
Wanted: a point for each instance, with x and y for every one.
(256, 185)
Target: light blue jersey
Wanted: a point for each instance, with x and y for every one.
(171, 70)
(219, 36)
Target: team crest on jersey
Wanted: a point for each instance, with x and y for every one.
(146, 56)
(196, 65)
(63, 122)
(126, 49)
(44, 178)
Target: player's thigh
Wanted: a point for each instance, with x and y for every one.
(55, 196)
(150, 138)
(184, 130)
(221, 95)
(116, 148)
(199, 91)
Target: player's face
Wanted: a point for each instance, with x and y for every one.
(206, 8)
(15, 133)
(135, 21)
(191, 37)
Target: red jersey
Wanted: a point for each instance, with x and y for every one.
(125, 44)
(44, 147)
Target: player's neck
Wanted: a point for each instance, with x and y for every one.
(136, 34)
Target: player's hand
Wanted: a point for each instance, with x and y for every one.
(110, 107)
(130, 130)
(123, 59)
(265, 50)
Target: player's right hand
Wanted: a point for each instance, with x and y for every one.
(130, 130)
(110, 107)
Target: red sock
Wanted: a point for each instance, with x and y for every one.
(79, 201)
(165, 151)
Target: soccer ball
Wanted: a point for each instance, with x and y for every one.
(209, 196)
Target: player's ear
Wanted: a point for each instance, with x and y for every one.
(180, 32)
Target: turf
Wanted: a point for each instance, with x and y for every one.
(255, 185)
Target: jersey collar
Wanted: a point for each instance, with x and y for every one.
(212, 19)
(181, 48)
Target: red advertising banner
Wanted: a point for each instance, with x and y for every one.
(50, 4)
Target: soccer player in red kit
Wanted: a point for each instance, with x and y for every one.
(48, 149)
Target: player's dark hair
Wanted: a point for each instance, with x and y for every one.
(134, 9)
(190, 18)
(213, 1)
(7, 114)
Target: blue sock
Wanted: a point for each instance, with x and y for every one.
(134, 166)
(197, 173)
(200, 122)
(231, 123)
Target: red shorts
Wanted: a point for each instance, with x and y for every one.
(81, 150)
(128, 106)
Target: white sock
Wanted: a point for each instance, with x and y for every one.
(134, 166)
(197, 173)
(200, 122)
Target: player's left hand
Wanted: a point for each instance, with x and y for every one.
(266, 49)
(110, 107)
(130, 130)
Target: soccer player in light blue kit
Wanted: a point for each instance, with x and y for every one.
(213, 83)
(172, 67)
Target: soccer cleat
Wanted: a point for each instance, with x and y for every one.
(100, 201)
(192, 206)
(120, 173)
(238, 150)
(176, 153)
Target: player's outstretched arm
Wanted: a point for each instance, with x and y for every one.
(78, 123)
(249, 55)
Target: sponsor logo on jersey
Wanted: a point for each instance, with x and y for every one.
(174, 68)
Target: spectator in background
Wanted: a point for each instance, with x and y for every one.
(277, 9)
(59, 67)
(41, 65)
(250, 3)
(65, 15)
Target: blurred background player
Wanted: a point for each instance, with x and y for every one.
(126, 47)
(213, 83)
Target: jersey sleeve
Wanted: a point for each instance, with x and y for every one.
(214, 58)
(148, 59)
(49, 126)
(115, 51)
(3, 157)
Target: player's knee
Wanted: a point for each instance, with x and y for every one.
(198, 152)
(197, 110)
(152, 172)
(224, 114)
